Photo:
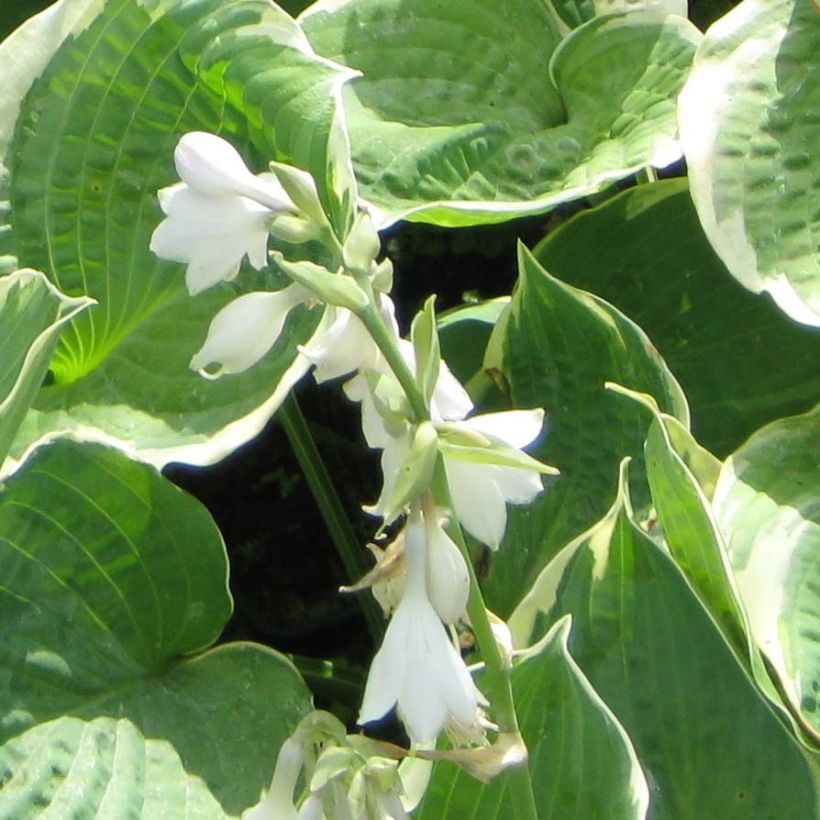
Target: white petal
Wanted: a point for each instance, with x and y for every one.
(516, 428)
(477, 501)
(343, 347)
(211, 234)
(384, 681)
(210, 164)
(518, 486)
(417, 667)
(245, 329)
(312, 808)
(448, 580)
(277, 804)
(375, 433)
(450, 401)
(437, 683)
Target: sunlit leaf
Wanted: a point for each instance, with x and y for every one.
(749, 115)
(104, 90)
(481, 110)
(582, 763)
(32, 313)
(768, 508)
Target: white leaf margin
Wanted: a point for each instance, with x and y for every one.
(707, 93)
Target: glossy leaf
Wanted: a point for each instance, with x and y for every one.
(740, 361)
(557, 347)
(484, 110)
(704, 735)
(766, 503)
(582, 762)
(113, 580)
(100, 95)
(748, 119)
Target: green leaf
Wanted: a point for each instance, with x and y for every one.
(707, 740)
(582, 763)
(424, 335)
(464, 333)
(102, 99)
(481, 111)
(749, 116)
(103, 767)
(112, 580)
(689, 529)
(32, 314)
(766, 503)
(557, 346)
(575, 12)
(740, 361)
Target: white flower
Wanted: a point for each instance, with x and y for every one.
(345, 345)
(248, 327)
(417, 668)
(245, 330)
(448, 580)
(218, 214)
(479, 490)
(277, 804)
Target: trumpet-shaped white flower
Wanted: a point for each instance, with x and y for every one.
(218, 214)
(417, 668)
(248, 327)
(480, 490)
(245, 330)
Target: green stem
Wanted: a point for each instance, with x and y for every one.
(327, 499)
(372, 319)
(497, 681)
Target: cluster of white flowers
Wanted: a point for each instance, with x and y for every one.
(221, 213)
(345, 777)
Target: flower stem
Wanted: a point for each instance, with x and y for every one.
(372, 319)
(330, 506)
(496, 682)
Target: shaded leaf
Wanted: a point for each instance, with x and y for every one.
(112, 578)
(740, 361)
(557, 347)
(582, 763)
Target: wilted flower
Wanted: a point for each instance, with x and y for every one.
(417, 668)
(218, 214)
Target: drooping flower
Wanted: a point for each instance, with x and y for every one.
(245, 330)
(218, 214)
(344, 344)
(417, 667)
(480, 490)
